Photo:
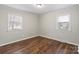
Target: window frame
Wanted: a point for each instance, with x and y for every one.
(69, 22)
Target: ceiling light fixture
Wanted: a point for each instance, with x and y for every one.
(39, 5)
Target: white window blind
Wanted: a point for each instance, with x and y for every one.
(65, 18)
(14, 22)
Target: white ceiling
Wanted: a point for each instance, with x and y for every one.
(44, 9)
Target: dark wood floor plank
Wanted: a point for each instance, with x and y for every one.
(39, 45)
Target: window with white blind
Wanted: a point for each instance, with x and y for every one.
(63, 22)
(14, 22)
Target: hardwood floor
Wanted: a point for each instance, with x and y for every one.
(39, 45)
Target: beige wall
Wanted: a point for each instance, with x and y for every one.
(30, 25)
(48, 25)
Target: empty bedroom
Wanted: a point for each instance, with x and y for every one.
(39, 28)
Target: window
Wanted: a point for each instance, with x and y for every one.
(63, 22)
(14, 22)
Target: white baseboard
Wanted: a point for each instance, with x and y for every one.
(17, 40)
(59, 40)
